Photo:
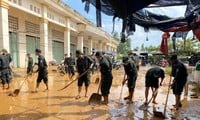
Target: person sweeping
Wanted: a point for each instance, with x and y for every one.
(42, 70)
(84, 63)
(152, 80)
(131, 76)
(106, 76)
(179, 72)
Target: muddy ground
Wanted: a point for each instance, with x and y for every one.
(62, 105)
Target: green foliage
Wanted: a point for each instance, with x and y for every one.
(123, 48)
(168, 70)
(183, 48)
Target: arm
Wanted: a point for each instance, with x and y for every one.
(125, 79)
(162, 77)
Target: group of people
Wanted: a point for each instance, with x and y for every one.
(84, 64)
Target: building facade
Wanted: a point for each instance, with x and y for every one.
(50, 25)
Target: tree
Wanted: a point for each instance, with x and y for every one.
(122, 48)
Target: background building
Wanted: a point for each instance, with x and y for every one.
(53, 27)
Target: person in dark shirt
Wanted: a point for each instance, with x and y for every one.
(69, 62)
(106, 75)
(42, 70)
(30, 64)
(65, 63)
(130, 76)
(152, 80)
(84, 63)
(179, 72)
(5, 62)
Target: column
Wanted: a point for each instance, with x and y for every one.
(4, 32)
(44, 38)
(90, 44)
(22, 43)
(44, 33)
(100, 46)
(67, 41)
(67, 37)
(80, 42)
(104, 47)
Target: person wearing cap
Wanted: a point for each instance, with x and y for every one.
(30, 64)
(106, 75)
(84, 63)
(130, 76)
(42, 70)
(5, 68)
(179, 72)
(152, 80)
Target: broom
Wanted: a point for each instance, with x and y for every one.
(17, 91)
(74, 80)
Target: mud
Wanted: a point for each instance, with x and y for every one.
(62, 105)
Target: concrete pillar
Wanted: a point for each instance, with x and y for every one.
(22, 43)
(80, 42)
(4, 32)
(67, 37)
(100, 45)
(67, 41)
(104, 47)
(44, 38)
(44, 33)
(90, 44)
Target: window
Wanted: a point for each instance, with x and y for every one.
(38, 10)
(20, 2)
(31, 7)
(35, 9)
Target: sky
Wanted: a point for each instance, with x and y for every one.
(139, 37)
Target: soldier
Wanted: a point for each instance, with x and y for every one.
(106, 76)
(152, 80)
(5, 62)
(84, 63)
(131, 76)
(69, 63)
(30, 64)
(179, 72)
(42, 70)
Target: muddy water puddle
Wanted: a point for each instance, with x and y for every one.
(62, 105)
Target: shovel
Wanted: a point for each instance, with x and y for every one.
(95, 98)
(97, 79)
(17, 91)
(74, 80)
(160, 114)
(145, 105)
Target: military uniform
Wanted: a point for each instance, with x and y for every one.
(83, 64)
(131, 72)
(179, 72)
(5, 69)
(152, 77)
(42, 70)
(106, 75)
(69, 62)
(30, 65)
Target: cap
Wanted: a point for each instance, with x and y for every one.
(4, 50)
(125, 59)
(78, 52)
(38, 50)
(173, 57)
(98, 53)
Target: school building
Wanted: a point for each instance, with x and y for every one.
(50, 25)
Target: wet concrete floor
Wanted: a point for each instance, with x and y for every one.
(62, 105)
